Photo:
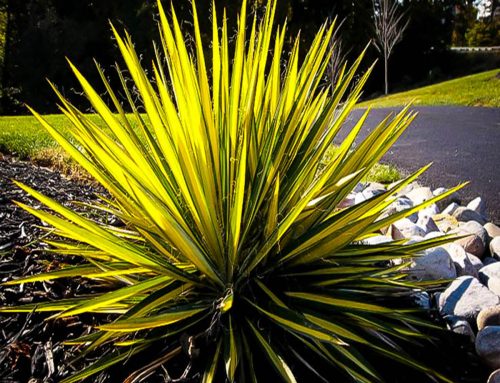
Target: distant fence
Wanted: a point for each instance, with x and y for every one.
(475, 49)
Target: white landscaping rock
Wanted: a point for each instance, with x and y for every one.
(495, 248)
(489, 316)
(359, 197)
(450, 209)
(394, 233)
(360, 186)
(435, 263)
(460, 326)
(347, 201)
(472, 244)
(476, 262)
(445, 222)
(464, 214)
(414, 239)
(428, 211)
(427, 224)
(463, 264)
(422, 299)
(478, 206)
(492, 230)
(402, 203)
(439, 191)
(473, 227)
(466, 297)
(377, 240)
(490, 277)
(406, 189)
(433, 234)
(375, 186)
(488, 345)
(489, 260)
(369, 191)
(494, 377)
(420, 194)
(408, 228)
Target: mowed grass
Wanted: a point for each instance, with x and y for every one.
(24, 138)
(482, 89)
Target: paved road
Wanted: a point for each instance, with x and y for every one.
(463, 143)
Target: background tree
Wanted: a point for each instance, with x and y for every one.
(483, 34)
(339, 54)
(464, 16)
(390, 24)
(38, 34)
(485, 30)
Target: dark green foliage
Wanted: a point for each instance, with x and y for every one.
(39, 33)
(483, 34)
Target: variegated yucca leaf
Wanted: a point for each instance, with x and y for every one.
(234, 235)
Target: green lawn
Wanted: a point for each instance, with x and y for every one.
(24, 138)
(482, 89)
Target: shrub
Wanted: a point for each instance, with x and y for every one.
(483, 34)
(233, 236)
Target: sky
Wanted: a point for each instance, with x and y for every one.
(482, 7)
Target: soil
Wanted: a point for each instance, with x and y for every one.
(31, 348)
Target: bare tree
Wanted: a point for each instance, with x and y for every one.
(390, 25)
(339, 54)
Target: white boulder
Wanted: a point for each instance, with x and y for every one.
(489, 316)
(466, 297)
(474, 227)
(490, 277)
(495, 248)
(476, 262)
(492, 230)
(433, 264)
(494, 377)
(408, 228)
(376, 240)
(450, 209)
(488, 345)
(463, 264)
(478, 205)
(460, 326)
(464, 214)
(427, 224)
(472, 244)
(420, 194)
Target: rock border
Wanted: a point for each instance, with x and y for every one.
(470, 304)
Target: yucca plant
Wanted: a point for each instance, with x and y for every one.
(234, 238)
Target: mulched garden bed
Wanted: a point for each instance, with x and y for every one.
(31, 348)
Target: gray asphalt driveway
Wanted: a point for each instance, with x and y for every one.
(463, 143)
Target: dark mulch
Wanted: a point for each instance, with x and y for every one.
(31, 348)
